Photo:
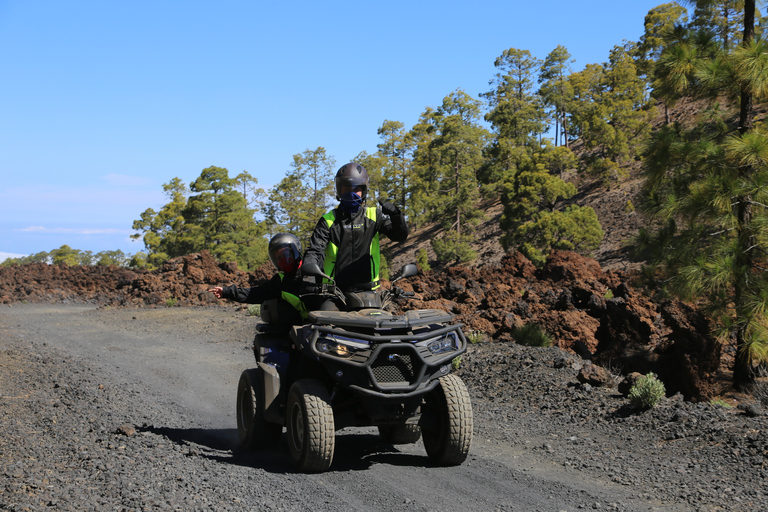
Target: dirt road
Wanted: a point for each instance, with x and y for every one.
(171, 374)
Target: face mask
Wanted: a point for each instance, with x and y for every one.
(351, 202)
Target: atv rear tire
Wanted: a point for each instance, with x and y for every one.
(254, 432)
(310, 426)
(400, 434)
(447, 439)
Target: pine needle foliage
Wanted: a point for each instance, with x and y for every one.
(707, 186)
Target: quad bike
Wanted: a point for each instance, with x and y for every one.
(359, 367)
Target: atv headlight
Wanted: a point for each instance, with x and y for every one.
(338, 347)
(447, 343)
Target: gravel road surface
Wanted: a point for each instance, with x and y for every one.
(133, 409)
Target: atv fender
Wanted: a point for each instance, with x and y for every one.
(274, 399)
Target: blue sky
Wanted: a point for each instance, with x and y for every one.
(101, 103)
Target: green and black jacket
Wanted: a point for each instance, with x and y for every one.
(346, 246)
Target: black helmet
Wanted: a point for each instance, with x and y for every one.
(349, 177)
(285, 252)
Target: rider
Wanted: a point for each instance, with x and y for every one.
(345, 241)
(288, 284)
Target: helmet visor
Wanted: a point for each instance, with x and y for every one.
(285, 257)
(345, 185)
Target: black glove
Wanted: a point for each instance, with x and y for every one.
(388, 208)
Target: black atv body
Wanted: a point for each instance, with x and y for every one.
(357, 368)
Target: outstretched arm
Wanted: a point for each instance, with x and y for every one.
(252, 295)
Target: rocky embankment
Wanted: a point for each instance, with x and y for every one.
(586, 311)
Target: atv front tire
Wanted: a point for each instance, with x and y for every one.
(447, 438)
(400, 434)
(254, 432)
(310, 426)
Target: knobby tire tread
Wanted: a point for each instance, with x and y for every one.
(449, 446)
(320, 441)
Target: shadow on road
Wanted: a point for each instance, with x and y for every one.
(354, 451)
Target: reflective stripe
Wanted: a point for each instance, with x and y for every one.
(294, 301)
(331, 250)
(374, 251)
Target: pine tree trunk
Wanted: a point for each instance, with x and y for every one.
(458, 209)
(565, 131)
(742, 373)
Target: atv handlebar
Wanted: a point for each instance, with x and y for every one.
(388, 296)
(327, 290)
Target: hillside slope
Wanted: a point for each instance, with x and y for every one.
(614, 203)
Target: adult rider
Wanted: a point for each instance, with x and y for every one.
(345, 241)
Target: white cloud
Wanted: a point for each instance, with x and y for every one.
(5, 255)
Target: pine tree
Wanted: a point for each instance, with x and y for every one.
(555, 89)
(215, 217)
(516, 114)
(303, 195)
(447, 172)
(709, 185)
(609, 112)
(65, 255)
(160, 230)
(724, 17)
(531, 221)
(422, 134)
(659, 24)
(106, 258)
(396, 153)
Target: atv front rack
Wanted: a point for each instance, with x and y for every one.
(379, 319)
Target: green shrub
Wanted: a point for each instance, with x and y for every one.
(455, 362)
(422, 260)
(531, 335)
(647, 391)
(454, 248)
(170, 302)
(475, 336)
(537, 257)
(608, 295)
(254, 310)
(384, 268)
